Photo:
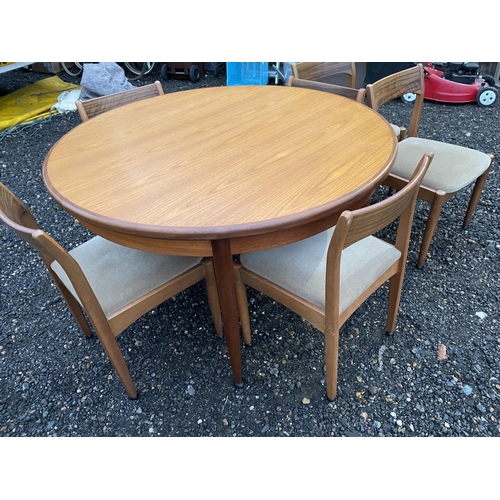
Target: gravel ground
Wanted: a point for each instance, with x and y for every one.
(53, 382)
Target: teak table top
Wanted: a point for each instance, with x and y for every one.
(220, 171)
(221, 161)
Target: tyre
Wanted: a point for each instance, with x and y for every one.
(489, 80)
(486, 96)
(74, 70)
(149, 67)
(164, 72)
(408, 97)
(135, 71)
(194, 73)
(139, 68)
(214, 67)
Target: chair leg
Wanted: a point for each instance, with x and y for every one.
(115, 355)
(476, 194)
(440, 198)
(213, 295)
(77, 313)
(402, 133)
(331, 361)
(395, 287)
(241, 299)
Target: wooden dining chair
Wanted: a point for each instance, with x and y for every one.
(320, 71)
(92, 107)
(326, 277)
(354, 94)
(408, 81)
(453, 168)
(112, 284)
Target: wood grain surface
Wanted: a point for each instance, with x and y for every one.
(220, 162)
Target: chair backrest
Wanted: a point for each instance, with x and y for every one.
(355, 94)
(408, 81)
(355, 225)
(321, 70)
(93, 107)
(15, 214)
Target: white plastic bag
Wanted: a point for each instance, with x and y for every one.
(103, 78)
(66, 101)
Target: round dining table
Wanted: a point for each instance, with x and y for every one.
(221, 171)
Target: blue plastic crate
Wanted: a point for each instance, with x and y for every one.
(247, 73)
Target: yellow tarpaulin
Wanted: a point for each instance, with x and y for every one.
(31, 102)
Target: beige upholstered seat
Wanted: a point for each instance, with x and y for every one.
(112, 284)
(92, 107)
(456, 169)
(321, 71)
(354, 94)
(120, 275)
(453, 167)
(326, 277)
(300, 267)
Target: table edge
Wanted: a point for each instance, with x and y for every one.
(217, 232)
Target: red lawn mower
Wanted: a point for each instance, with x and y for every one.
(457, 82)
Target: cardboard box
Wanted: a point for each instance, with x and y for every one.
(49, 67)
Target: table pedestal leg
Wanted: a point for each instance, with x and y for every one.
(224, 273)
